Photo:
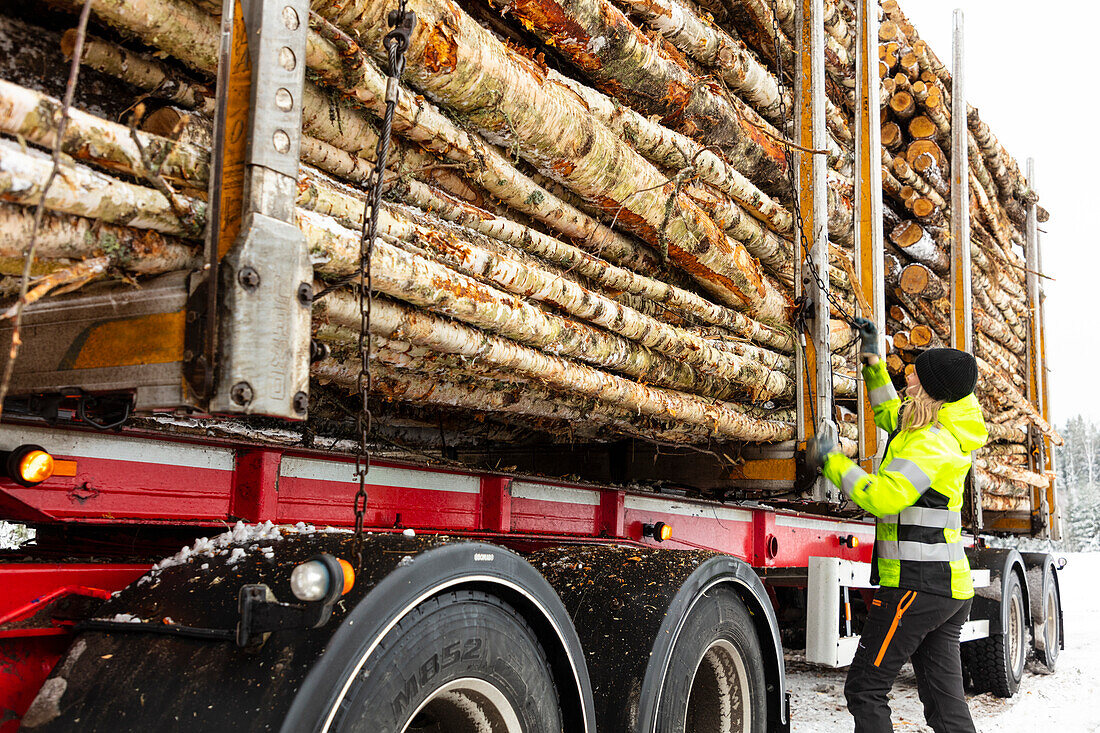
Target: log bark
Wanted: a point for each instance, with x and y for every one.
(426, 284)
(186, 32)
(1006, 433)
(62, 237)
(83, 192)
(629, 66)
(676, 151)
(139, 71)
(392, 320)
(34, 116)
(1013, 473)
(531, 281)
(1016, 399)
(714, 48)
(998, 331)
(891, 270)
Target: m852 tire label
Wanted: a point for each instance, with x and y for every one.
(448, 656)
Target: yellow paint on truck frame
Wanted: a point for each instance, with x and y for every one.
(149, 339)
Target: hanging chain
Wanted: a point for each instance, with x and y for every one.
(811, 266)
(401, 21)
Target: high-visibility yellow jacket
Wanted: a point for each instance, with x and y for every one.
(917, 493)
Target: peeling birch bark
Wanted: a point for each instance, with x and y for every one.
(1013, 396)
(532, 282)
(676, 151)
(141, 251)
(714, 48)
(431, 285)
(81, 191)
(613, 53)
(34, 116)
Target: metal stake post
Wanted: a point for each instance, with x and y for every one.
(816, 397)
(962, 317)
(1039, 455)
(962, 328)
(868, 185)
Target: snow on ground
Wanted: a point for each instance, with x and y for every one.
(1067, 701)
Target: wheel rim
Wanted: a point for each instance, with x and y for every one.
(1050, 628)
(467, 705)
(719, 698)
(1015, 638)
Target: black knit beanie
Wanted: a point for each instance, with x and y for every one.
(947, 374)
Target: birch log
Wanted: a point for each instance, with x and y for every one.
(139, 71)
(713, 47)
(191, 35)
(531, 281)
(920, 247)
(140, 251)
(496, 89)
(615, 55)
(1016, 399)
(81, 191)
(390, 319)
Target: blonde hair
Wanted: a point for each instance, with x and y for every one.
(919, 410)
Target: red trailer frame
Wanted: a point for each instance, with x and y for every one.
(135, 479)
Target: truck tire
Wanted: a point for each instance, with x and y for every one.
(715, 681)
(996, 664)
(1052, 628)
(464, 661)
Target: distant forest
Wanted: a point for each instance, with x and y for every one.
(1078, 485)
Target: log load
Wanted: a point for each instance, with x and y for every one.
(588, 223)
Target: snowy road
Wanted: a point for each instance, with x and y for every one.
(1065, 702)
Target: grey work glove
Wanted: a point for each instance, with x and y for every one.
(868, 338)
(821, 445)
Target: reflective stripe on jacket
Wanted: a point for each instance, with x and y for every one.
(917, 492)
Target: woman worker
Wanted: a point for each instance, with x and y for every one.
(925, 588)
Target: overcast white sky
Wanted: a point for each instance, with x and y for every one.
(1030, 74)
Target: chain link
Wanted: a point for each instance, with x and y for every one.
(401, 21)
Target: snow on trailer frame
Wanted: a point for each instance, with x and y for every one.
(487, 506)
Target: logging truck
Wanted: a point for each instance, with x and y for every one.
(470, 356)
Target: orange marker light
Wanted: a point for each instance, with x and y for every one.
(349, 576)
(665, 531)
(36, 466)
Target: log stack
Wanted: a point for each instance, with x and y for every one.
(587, 233)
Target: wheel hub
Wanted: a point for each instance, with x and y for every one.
(719, 697)
(1015, 634)
(467, 705)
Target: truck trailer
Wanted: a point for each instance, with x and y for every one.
(470, 351)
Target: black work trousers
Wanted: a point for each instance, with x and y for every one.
(918, 626)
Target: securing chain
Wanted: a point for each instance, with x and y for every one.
(811, 266)
(401, 21)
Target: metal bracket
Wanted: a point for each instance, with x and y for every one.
(264, 292)
(266, 296)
